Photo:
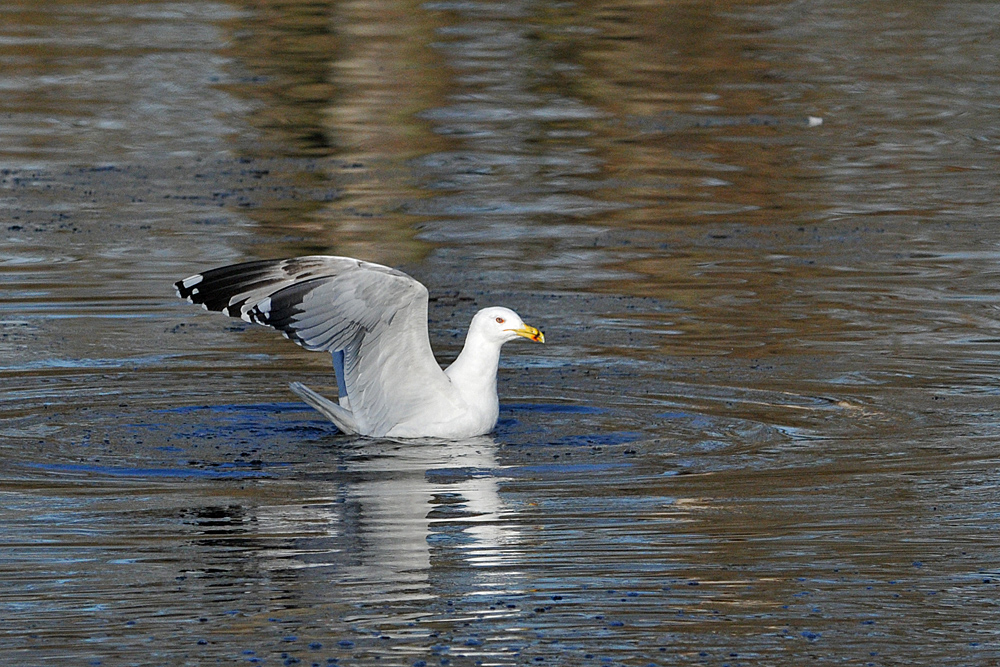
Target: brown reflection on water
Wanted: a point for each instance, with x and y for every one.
(685, 83)
(385, 75)
(341, 81)
(452, 116)
(282, 53)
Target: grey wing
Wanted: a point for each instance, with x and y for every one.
(376, 316)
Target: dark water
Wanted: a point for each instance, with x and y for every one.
(763, 431)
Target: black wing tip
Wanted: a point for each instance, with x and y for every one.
(188, 288)
(258, 316)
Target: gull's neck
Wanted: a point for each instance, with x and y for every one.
(474, 372)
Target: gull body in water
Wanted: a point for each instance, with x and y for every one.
(373, 320)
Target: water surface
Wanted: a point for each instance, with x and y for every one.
(763, 430)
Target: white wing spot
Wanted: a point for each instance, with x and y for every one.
(192, 281)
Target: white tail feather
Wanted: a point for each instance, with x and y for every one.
(340, 416)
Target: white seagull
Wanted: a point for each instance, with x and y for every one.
(373, 319)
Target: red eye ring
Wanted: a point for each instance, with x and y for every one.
(500, 320)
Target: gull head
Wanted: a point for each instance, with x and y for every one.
(501, 325)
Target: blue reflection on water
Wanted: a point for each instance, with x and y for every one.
(221, 471)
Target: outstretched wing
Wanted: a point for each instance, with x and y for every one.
(376, 316)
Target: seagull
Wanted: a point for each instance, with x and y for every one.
(373, 319)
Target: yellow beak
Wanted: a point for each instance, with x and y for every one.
(530, 332)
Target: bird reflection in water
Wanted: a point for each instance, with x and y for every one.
(375, 522)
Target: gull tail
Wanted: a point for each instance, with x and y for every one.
(339, 415)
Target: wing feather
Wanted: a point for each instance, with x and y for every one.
(374, 315)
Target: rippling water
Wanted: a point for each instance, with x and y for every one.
(763, 431)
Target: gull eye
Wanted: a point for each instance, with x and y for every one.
(500, 320)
